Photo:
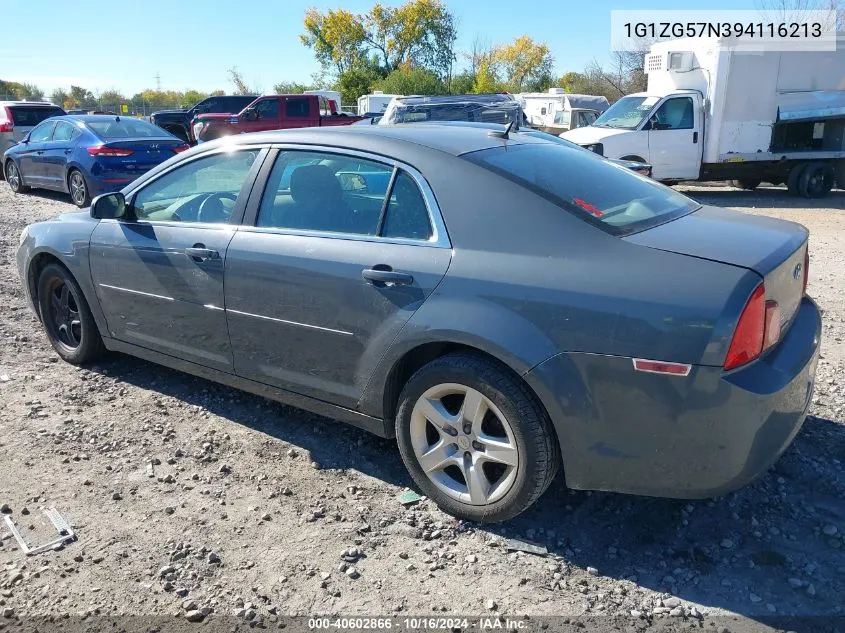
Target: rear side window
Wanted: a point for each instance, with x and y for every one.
(406, 216)
(125, 128)
(30, 116)
(64, 132)
(296, 107)
(609, 196)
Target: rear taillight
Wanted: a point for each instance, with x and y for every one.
(806, 268)
(181, 148)
(9, 124)
(756, 331)
(101, 150)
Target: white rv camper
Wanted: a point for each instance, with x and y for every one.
(376, 102)
(714, 113)
(556, 108)
(331, 95)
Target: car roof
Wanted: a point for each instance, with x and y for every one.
(92, 118)
(438, 99)
(39, 104)
(454, 140)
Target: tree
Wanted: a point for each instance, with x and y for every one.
(192, 97)
(525, 64)
(111, 99)
(241, 86)
(462, 83)
(337, 38)
(486, 80)
(353, 83)
(412, 81)
(290, 88)
(59, 97)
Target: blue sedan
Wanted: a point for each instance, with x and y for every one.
(85, 156)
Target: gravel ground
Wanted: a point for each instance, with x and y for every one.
(198, 502)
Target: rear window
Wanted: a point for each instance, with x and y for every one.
(30, 116)
(125, 128)
(611, 197)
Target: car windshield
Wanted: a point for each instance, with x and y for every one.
(125, 128)
(30, 116)
(497, 112)
(609, 196)
(627, 113)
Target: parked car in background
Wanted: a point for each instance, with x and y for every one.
(272, 112)
(77, 111)
(178, 122)
(87, 155)
(503, 305)
(482, 108)
(17, 118)
(557, 111)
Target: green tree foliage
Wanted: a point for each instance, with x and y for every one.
(14, 90)
(290, 88)
(241, 86)
(462, 83)
(412, 81)
(337, 37)
(525, 65)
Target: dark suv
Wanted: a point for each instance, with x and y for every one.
(178, 122)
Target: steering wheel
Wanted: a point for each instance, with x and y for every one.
(212, 210)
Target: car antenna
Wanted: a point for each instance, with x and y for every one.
(505, 134)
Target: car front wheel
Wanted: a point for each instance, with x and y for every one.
(66, 316)
(474, 438)
(14, 178)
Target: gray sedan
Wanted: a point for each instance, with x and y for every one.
(505, 306)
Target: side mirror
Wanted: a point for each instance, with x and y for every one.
(109, 206)
(25, 139)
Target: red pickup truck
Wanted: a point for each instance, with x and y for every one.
(273, 112)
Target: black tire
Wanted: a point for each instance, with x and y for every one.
(816, 180)
(636, 159)
(79, 342)
(794, 177)
(533, 434)
(77, 185)
(749, 184)
(15, 183)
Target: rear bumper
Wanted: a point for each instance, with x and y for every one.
(686, 437)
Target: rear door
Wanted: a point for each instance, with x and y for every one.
(328, 268)
(159, 275)
(57, 152)
(301, 112)
(32, 163)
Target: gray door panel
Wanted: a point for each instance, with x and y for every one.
(302, 317)
(155, 295)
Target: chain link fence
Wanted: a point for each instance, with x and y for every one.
(133, 108)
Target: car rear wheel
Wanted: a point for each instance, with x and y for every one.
(78, 187)
(66, 317)
(14, 178)
(794, 177)
(749, 184)
(474, 438)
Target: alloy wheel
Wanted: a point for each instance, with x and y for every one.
(464, 444)
(77, 188)
(64, 315)
(13, 176)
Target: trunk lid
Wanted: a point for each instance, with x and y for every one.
(146, 154)
(774, 249)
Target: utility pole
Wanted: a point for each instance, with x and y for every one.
(158, 82)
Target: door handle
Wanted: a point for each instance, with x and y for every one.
(68, 151)
(39, 152)
(385, 276)
(199, 253)
(695, 137)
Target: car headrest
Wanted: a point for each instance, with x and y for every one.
(314, 183)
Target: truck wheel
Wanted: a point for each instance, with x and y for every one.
(794, 177)
(816, 180)
(749, 184)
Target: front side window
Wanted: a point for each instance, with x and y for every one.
(297, 107)
(319, 191)
(675, 114)
(204, 190)
(562, 117)
(64, 131)
(586, 118)
(268, 109)
(42, 132)
(588, 186)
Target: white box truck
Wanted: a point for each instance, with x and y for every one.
(712, 113)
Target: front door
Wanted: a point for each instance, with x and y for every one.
(32, 154)
(674, 142)
(340, 253)
(159, 275)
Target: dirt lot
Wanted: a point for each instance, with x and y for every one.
(191, 498)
